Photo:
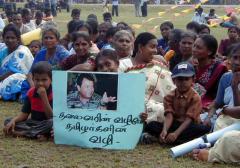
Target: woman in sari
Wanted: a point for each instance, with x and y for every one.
(15, 62)
(209, 70)
(158, 83)
(51, 52)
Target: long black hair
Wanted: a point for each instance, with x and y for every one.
(142, 39)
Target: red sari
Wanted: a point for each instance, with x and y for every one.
(209, 77)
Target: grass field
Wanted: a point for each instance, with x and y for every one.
(20, 152)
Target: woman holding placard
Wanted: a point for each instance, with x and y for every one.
(158, 78)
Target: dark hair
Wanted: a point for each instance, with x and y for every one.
(14, 29)
(84, 24)
(177, 34)
(188, 34)
(76, 12)
(92, 16)
(168, 24)
(123, 23)
(107, 53)
(88, 76)
(232, 49)
(39, 44)
(202, 27)
(93, 24)
(25, 12)
(142, 39)
(71, 26)
(53, 30)
(82, 34)
(193, 26)
(9, 13)
(111, 31)
(42, 67)
(199, 8)
(235, 28)
(38, 14)
(211, 43)
(47, 10)
(105, 24)
(107, 15)
(212, 10)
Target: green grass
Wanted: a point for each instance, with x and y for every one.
(126, 13)
(19, 152)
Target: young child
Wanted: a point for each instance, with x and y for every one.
(165, 29)
(27, 16)
(35, 47)
(182, 108)
(39, 22)
(48, 16)
(76, 14)
(107, 61)
(38, 104)
(109, 36)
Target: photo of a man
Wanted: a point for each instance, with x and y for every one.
(83, 92)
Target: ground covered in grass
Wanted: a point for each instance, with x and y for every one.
(20, 152)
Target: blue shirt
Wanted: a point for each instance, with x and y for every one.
(60, 54)
(164, 44)
(224, 83)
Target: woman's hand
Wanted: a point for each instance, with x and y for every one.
(9, 128)
(144, 116)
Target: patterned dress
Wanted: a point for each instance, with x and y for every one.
(158, 84)
(19, 63)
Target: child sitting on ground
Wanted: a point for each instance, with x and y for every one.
(35, 47)
(182, 108)
(38, 103)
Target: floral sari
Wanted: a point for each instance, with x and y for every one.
(209, 77)
(19, 63)
(158, 84)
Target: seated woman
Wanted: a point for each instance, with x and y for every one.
(85, 27)
(51, 52)
(208, 70)
(123, 43)
(15, 62)
(231, 21)
(159, 82)
(83, 59)
(233, 37)
(227, 148)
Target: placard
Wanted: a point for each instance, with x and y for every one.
(98, 110)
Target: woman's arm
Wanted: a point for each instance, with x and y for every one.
(4, 76)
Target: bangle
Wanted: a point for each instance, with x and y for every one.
(223, 109)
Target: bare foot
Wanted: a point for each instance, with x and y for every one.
(200, 154)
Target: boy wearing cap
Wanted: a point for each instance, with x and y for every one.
(182, 109)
